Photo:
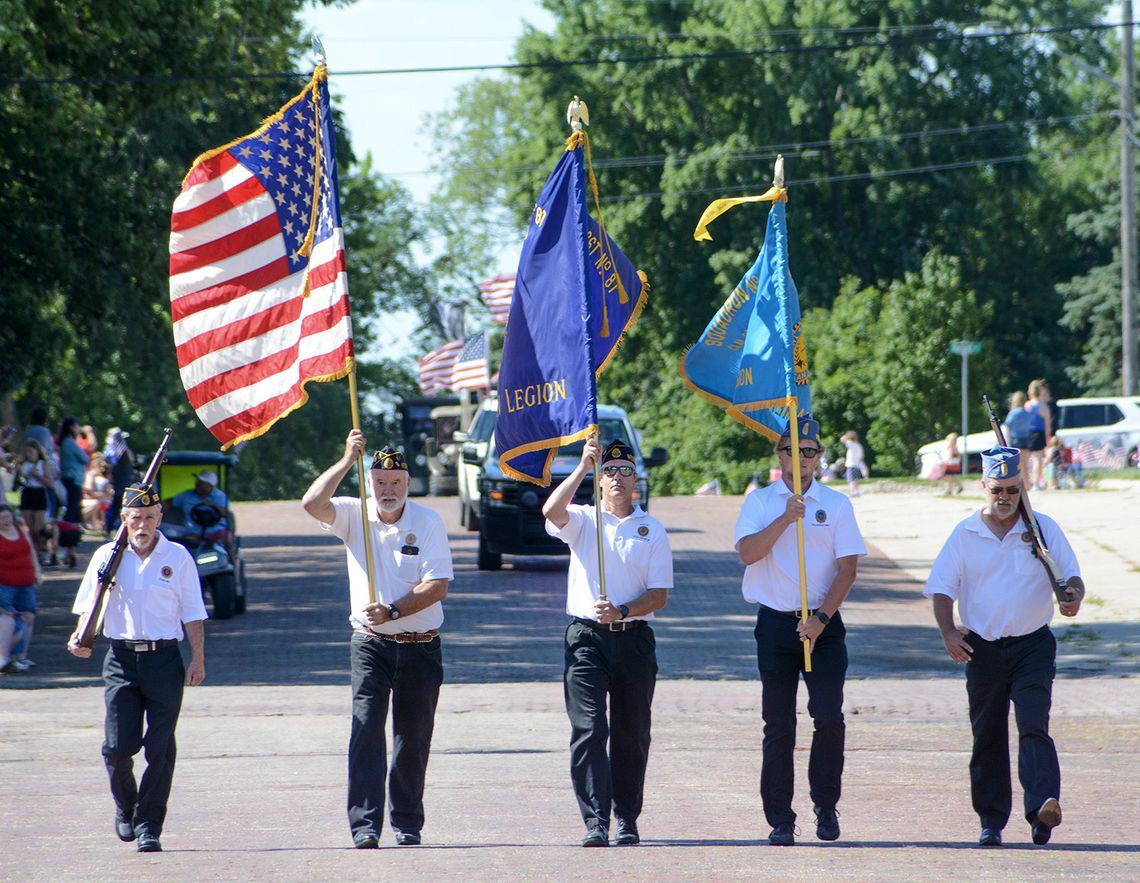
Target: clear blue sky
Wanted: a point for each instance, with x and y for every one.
(385, 115)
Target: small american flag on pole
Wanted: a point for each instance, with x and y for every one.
(497, 294)
(435, 367)
(471, 370)
(258, 289)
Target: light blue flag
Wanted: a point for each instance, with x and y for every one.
(751, 358)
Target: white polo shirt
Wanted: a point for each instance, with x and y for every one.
(404, 554)
(637, 556)
(830, 532)
(152, 596)
(1001, 588)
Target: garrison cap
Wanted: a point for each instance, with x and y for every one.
(617, 450)
(808, 429)
(1001, 463)
(139, 496)
(389, 458)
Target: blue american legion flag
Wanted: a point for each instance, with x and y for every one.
(258, 288)
(575, 296)
(752, 357)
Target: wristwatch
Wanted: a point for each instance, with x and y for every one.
(624, 610)
(822, 617)
(393, 611)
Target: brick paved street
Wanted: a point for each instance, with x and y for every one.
(259, 791)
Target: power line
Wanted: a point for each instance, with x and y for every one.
(861, 176)
(799, 148)
(557, 64)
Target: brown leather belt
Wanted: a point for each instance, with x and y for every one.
(400, 637)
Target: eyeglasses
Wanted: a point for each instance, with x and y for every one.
(806, 453)
(997, 490)
(611, 471)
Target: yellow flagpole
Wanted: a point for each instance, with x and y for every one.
(362, 480)
(797, 486)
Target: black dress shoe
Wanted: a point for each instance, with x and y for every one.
(990, 837)
(1048, 818)
(407, 838)
(365, 840)
(149, 842)
(826, 823)
(596, 835)
(124, 828)
(627, 833)
(784, 834)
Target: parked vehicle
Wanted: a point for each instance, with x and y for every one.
(417, 428)
(508, 513)
(1103, 421)
(222, 575)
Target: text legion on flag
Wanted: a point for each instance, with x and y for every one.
(258, 288)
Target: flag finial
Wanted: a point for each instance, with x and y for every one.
(577, 114)
(319, 50)
(778, 174)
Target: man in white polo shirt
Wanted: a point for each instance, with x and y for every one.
(156, 595)
(396, 653)
(1005, 604)
(610, 648)
(766, 543)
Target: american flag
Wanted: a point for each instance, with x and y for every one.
(471, 370)
(435, 367)
(1100, 455)
(497, 294)
(258, 289)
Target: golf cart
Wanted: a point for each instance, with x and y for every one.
(222, 575)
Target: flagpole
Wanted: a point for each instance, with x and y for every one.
(362, 481)
(797, 486)
(598, 519)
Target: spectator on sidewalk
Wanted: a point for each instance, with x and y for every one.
(1005, 604)
(1040, 430)
(855, 462)
(121, 461)
(97, 492)
(1016, 426)
(952, 465)
(37, 431)
(19, 575)
(767, 545)
(73, 462)
(36, 478)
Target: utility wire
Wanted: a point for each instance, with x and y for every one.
(557, 64)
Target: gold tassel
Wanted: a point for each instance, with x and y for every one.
(307, 246)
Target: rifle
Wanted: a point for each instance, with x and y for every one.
(1025, 510)
(92, 622)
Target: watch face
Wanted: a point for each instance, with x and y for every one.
(394, 612)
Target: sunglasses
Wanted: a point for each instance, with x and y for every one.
(611, 471)
(998, 490)
(806, 453)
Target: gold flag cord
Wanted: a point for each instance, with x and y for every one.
(718, 207)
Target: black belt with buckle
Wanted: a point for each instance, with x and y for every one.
(622, 625)
(795, 613)
(143, 646)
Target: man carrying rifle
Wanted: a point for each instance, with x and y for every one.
(156, 593)
(992, 566)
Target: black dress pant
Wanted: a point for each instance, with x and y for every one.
(1019, 669)
(138, 685)
(780, 658)
(407, 676)
(623, 667)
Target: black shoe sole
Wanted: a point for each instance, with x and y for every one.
(125, 834)
(827, 835)
(153, 846)
(594, 842)
(366, 843)
(628, 840)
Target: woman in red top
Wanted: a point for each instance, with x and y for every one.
(19, 576)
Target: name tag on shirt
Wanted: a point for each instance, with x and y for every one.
(409, 550)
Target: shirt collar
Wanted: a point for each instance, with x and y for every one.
(812, 493)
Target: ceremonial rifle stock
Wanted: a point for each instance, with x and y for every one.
(1024, 509)
(92, 622)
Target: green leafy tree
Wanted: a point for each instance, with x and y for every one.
(911, 91)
